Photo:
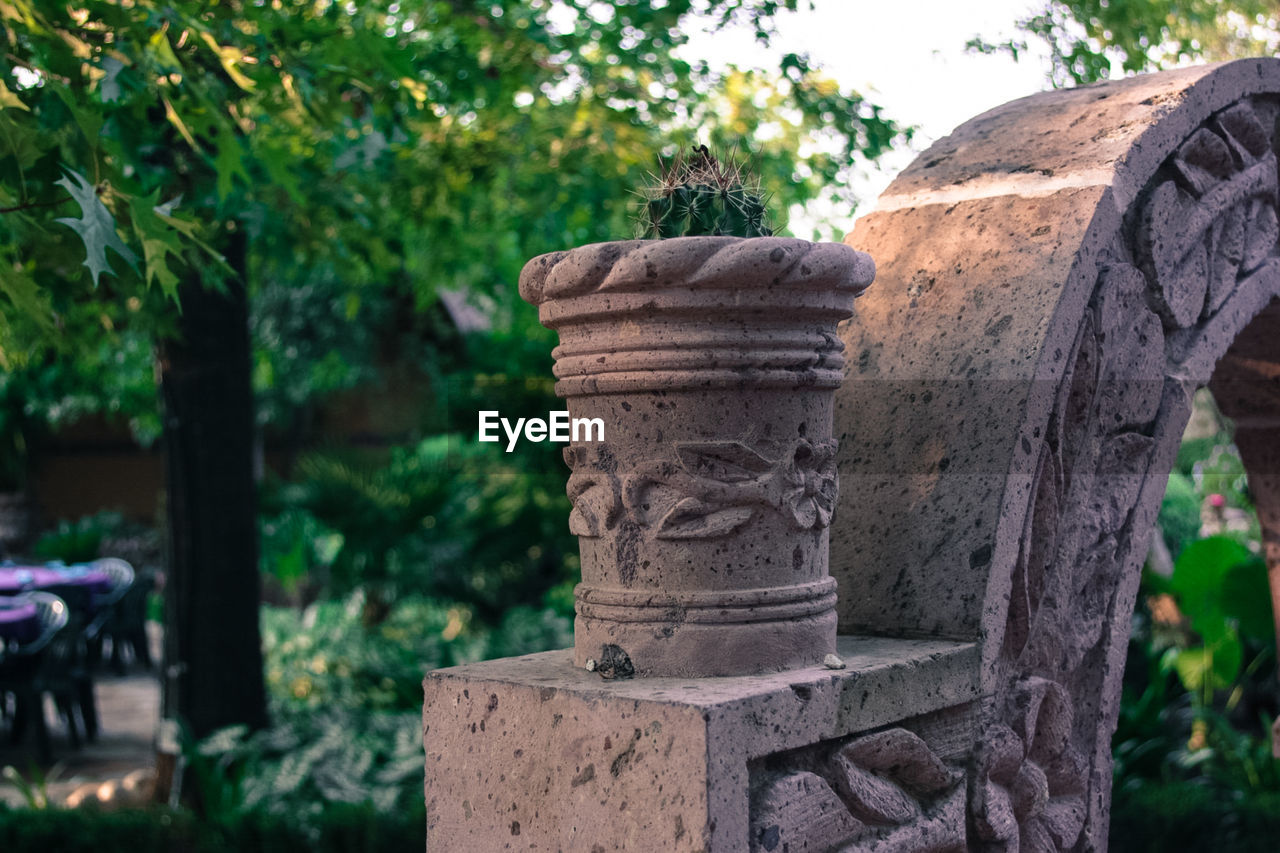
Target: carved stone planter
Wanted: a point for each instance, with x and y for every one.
(702, 516)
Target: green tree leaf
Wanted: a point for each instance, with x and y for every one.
(27, 297)
(1087, 38)
(1212, 667)
(160, 240)
(10, 101)
(1246, 598)
(1201, 567)
(1199, 576)
(96, 227)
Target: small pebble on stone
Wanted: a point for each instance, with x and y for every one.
(591, 665)
(832, 662)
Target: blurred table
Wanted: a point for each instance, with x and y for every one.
(16, 579)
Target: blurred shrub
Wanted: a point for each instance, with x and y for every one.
(423, 522)
(524, 630)
(295, 548)
(1199, 689)
(339, 829)
(78, 541)
(1180, 513)
(346, 703)
(1188, 816)
(329, 656)
(310, 762)
(1222, 591)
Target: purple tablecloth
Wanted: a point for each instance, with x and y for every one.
(19, 621)
(15, 579)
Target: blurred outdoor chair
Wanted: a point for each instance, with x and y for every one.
(121, 615)
(44, 665)
(85, 611)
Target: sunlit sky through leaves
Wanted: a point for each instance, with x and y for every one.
(909, 57)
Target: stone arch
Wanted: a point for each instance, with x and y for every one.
(1055, 279)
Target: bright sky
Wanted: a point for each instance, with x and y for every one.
(908, 56)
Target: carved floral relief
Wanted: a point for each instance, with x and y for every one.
(1214, 220)
(1207, 221)
(709, 489)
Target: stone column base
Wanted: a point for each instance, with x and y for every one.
(535, 753)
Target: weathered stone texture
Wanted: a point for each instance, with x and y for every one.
(703, 513)
(656, 763)
(1054, 281)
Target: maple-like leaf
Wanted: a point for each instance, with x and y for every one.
(160, 240)
(96, 227)
(28, 298)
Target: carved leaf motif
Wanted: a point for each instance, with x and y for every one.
(1045, 713)
(904, 757)
(1203, 160)
(1035, 838)
(1039, 800)
(1244, 133)
(1064, 819)
(1096, 579)
(1036, 552)
(1264, 231)
(1029, 792)
(593, 510)
(799, 811)
(1075, 408)
(1004, 753)
(892, 789)
(694, 519)
(1197, 238)
(1226, 252)
(1121, 471)
(724, 462)
(594, 493)
(1134, 363)
(871, 798)
(993, 813)
(1180, 272)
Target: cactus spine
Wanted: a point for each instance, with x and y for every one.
(695, 194)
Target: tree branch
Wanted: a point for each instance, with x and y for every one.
(31, 205)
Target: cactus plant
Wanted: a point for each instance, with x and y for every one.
(696, 194)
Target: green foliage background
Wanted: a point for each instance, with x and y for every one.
(377, 154)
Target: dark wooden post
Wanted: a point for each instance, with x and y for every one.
(213, 655)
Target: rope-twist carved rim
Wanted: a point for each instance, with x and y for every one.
(711, 263)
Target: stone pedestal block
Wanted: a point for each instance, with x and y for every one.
(533, 753)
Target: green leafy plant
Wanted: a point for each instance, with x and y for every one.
(697, 194)
(1221, 588)
(34, 788)
(78, 541)
(328, 656)
(1199, 692)
(420, 521)
(13, 423)
(308, 763)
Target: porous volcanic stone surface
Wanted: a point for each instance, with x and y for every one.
(1054, 280)
(703, 513)
(536, 753)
